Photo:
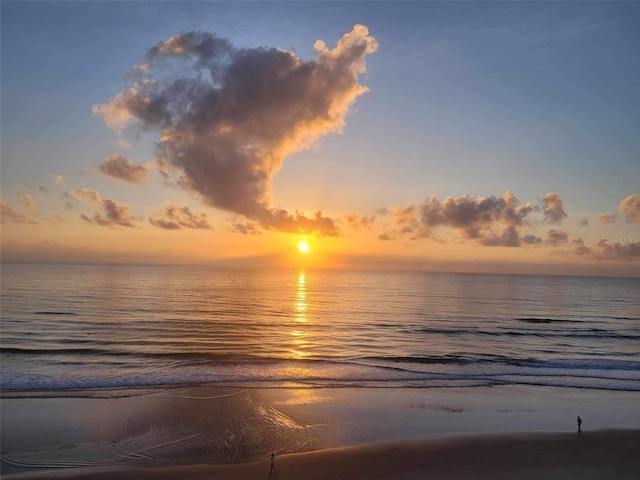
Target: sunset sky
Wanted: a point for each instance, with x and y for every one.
(441, 136)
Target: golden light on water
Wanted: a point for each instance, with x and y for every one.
(301, 299)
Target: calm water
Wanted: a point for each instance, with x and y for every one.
(69, 327)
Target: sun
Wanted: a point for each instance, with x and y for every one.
(303, 246)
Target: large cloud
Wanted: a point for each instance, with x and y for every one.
(228, 116)
(120, 167)
(630, 208)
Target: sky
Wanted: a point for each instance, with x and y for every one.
(420, 135)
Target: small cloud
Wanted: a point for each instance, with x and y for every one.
(552, 208)
(630, 208)
(120, 167)
(83, 195)
(29, 203)
(531, 240)
(584, 222)
(359, 222)
(606, 218)
(556, 237)
(176, 217)
(246, 228)
(114, 214)
(383, 212)
(43, 189)
(385, 237)
(58, 181)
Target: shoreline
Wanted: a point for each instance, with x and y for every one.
(590, 455)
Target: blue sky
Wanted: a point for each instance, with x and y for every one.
(465, 99)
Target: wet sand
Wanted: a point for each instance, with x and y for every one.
(221, 432)
(596, 455)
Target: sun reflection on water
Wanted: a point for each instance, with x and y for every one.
(300, 335)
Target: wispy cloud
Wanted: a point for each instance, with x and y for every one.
(9, 215)
(230, 116)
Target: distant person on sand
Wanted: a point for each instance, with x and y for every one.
(273, 463)
(579, 428)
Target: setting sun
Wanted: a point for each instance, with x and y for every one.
(303, 246)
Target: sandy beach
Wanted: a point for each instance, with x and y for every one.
(220, 432)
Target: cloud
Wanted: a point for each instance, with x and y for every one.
(58, 180)
(359, 222)
(556, 237)
(29, 203)
(114, 214)
(552, 208)
(176, 217)
(607, 218)
(385, 237)
(580, 248)
(617, 251)
(122, 168)
(630, 208)
(584, 222)
(492, 221)
(228, 117)
(43, 189)
(246, 228)
(83, 195)
(531, 240)
(9, 215)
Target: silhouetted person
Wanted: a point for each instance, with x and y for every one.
(579, 425)
(273, 463)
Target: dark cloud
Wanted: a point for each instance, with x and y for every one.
(43, 189)
(114, 214)
(122, 168)
(176, 217)
(584, 222)
(607, 218)
(552, 208)
(556, 237)
(228, 117)
(630, 208)
(9, 215)
(385, 236)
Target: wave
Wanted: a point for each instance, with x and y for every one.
(52, 312)
(545, 320)
(590, 333)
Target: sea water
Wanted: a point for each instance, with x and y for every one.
(90, 326)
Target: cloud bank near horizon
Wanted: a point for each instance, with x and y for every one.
(227, 117)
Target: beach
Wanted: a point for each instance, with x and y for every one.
(214, 432)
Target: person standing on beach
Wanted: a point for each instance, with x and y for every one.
(579, 425)
(273, 463)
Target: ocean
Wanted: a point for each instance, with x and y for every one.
(76, 327)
